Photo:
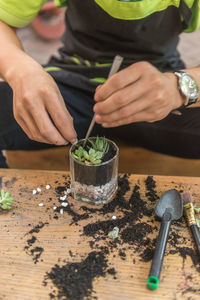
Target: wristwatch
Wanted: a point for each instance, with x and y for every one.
(188, 87)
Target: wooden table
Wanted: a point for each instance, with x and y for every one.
(60, 240)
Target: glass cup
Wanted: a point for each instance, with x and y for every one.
(95, 184)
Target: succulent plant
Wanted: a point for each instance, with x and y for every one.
(5, 200)
(95, 153)
(100, 145)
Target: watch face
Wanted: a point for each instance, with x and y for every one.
(189, 86)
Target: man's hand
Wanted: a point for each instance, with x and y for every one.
(40, 109)
(136, 94)
(37, 103)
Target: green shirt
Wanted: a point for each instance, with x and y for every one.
(97, 30)
(20, 13)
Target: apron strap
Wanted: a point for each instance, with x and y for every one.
(185, 13)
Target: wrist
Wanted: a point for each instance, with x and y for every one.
(20, 67)
(179, 98)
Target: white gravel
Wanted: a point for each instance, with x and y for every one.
(63, 198)
(41, 204)
(61, 211)
(64, 204)
(67, 192)
(48, 186)
(39, 190)
(34, 192)
(114, 217)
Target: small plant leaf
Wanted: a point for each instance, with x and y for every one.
(114, 233)
(5, 200)
(197, 222)
(95, 152)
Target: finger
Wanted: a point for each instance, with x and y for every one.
(29, 125)
(121, 79)
(126, 111)
(98, 87)
(122, 97)
(46, 128)
(62, 119)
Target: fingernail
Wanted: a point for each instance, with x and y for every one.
(66, 143)
(73, 141)
(94, 108)
(96, 98)
(98, 118)
(98, 87)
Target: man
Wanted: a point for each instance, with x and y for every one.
(42, 107)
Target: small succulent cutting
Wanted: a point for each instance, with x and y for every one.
(5, 200)
(95, 153)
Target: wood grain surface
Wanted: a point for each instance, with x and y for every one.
(63, 241)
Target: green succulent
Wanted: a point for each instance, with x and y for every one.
(94, 154)
(5, 200)
(100, 144)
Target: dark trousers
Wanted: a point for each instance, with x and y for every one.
(174, 135)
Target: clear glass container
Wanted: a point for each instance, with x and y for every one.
(95, 184)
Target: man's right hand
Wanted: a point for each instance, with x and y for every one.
(39, 107)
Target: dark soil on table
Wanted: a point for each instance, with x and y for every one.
(35, 252)
(90, 175)
(74, 280)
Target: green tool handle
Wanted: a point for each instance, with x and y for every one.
(154, 274)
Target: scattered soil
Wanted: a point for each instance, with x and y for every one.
(36, 252)
(136, 234)
(10, 182)
(75, 279)
(31, 241)
(150, 186)
(37, 228)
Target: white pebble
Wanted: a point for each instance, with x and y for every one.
(63, 198)
(54, 207)
(114, 217)
(40, 204)
(34, 192)
(64, 204)
(61, 211)
(39, 190)
(48, 187)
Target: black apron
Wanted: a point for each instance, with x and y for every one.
(93, 38)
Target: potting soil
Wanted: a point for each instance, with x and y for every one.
(74, 280)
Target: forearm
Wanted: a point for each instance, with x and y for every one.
(13, 60)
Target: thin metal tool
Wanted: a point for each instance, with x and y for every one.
(114, 68)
